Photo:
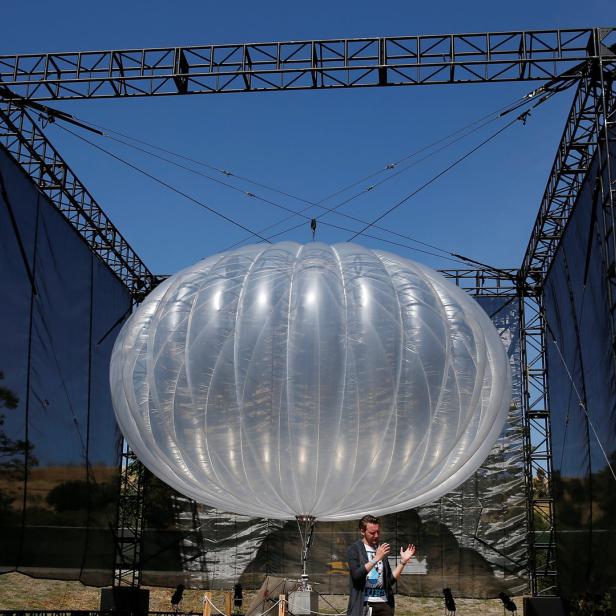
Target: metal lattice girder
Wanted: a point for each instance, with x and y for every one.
(573, 159)
(129, 538)
(537, 450)
(484, 282)
(31, 149)
(604, 193)
(293, 65)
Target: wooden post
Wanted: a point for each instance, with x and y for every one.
(207, 603)
(228, 602)
(282, 605)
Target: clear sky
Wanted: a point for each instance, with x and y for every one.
(310, 143)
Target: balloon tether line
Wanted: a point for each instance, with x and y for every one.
(306, 537)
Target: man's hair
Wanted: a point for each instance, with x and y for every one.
(367, 519)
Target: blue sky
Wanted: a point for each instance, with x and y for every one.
(309, 143)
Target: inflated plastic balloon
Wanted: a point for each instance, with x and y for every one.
(283, 380)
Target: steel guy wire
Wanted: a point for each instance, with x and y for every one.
(501, 111)
(295, 213)
(166, 185)
(522, 117)
(333, 209)
(583, 406)
(424, 185)
(298, 213)
(434, 178)
(446, 254)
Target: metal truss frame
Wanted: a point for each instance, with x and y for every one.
(129, 537)
(541, 556)
(484, 282)
(584, 55)
(589, 135)
(296, 65)
(583, 130)
(30, 148)
(541, 549)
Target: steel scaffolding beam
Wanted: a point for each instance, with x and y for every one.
(589, 116)
(34, 153)
(537, 448)
(129, 535)
(296, 65)
(484, 282)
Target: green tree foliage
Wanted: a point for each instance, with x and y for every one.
(158, 504)
(13, 452)
(77, 495)
(7, 398)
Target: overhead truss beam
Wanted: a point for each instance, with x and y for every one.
(297, 65)
(484, 282)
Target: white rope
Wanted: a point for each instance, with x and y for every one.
(206, 599)
(583, 406)
(271, 608)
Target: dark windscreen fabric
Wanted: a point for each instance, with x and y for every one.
(59, 447)
(582, 400)
(472, 540)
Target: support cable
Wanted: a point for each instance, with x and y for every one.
(522, 117)
(104, 131)
(335, 208)
(438, 175)
(456, 258)
(449, 254)
(294, 213)
(549, 89)
(166, 185)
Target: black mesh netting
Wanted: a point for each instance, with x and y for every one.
(582, 397)
(59, 315)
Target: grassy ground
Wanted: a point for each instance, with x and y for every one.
(19, 591)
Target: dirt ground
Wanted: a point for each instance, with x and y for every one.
(20, 592)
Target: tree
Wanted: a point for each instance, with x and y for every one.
(16, 455)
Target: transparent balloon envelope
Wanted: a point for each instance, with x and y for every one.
(294, 380)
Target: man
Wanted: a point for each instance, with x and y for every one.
(371, 576)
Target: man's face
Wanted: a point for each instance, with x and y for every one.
(371, 534)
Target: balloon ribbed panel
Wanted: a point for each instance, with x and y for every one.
(286, 380)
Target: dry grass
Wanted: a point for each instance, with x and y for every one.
(20, 592)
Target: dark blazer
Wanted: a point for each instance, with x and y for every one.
(357, 558)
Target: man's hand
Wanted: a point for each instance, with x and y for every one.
(406, 555)
(382, 551)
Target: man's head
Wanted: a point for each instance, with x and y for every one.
(369, 530)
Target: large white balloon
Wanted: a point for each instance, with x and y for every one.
(283, 380)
